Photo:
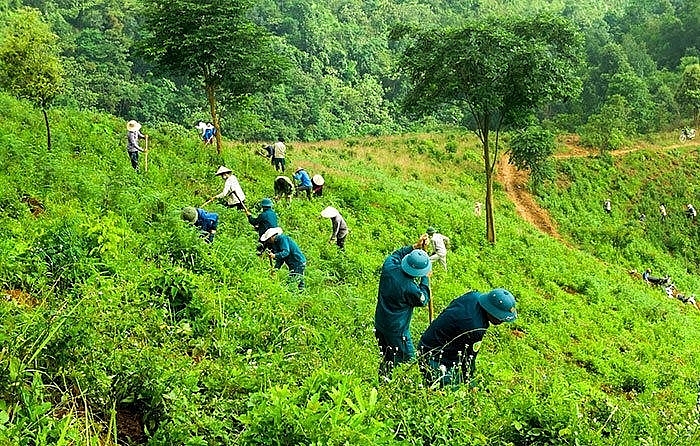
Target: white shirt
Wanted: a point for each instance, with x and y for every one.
(279, 149)
(230, 186)
(437, 243)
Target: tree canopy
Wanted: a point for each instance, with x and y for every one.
(30, 66)
(216, 43)
(688, 93)
(501, 70)
(343, 79)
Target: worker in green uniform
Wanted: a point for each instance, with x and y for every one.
(403, 285)
(285, 250)
(449, 345)
(265, 220)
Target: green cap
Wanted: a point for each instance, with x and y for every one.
(266, 203)
(416, 264)
(189, 214)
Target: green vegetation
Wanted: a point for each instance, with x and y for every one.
(342, 78)
(214, 44)
(120, 325)
(30, 67)
(637, 183)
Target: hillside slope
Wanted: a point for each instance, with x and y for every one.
(120, 325)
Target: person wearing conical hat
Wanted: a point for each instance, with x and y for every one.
(449, 345)
(403, 285)
(304, 181)
(206, 222)
(690, 211)
(201, 126)
(285, 250)
(133, 135)
(340, 228)
(317, 183)
(235, 198)
(208, 131)
(284, 187)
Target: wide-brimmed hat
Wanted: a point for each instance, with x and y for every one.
(222, 170)
(189, 214)
(201, 126)
(298, 169)
(270, 233)
(417, 263)
(266, 203)
(330, 212)
(500, 304)
(318, 180)
(133, 126)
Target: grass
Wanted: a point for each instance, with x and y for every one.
(201, 344)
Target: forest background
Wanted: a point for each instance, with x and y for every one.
(340, 76)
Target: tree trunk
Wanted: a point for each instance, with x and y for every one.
(483, 127)
(488, 201)
(48, 129)
(211, 98)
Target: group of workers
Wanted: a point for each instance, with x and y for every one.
(279, 247)
(669, 288)
(690, 211)
(312, 186)
(448, 347)
(208, 132)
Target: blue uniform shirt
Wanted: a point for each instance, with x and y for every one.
(206, 221)
(398, 295)
(303, 177)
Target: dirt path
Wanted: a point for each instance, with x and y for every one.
(515, 184)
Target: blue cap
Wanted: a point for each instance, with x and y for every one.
(500, 304)
(416, 264)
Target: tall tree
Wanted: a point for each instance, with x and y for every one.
(688, 93)
(500, 69)
(216, 42)
(30, 66)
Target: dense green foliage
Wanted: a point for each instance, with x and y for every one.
(531, 149)
(343, 79)
(214, 44)
(688, 94)
(114, 310)
(30, 67)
